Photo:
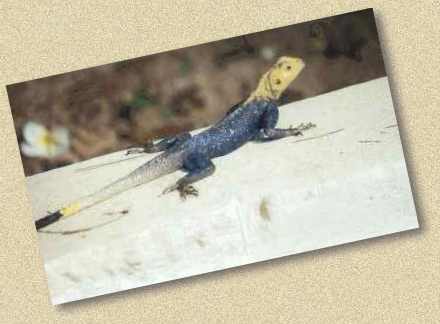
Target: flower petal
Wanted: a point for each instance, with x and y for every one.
(61, 136)
(33, 150)
(32, 132)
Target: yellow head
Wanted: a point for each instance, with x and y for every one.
(273, 83)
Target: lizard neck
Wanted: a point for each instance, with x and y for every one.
(264, 91)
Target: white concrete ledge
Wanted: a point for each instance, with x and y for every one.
(264, 201)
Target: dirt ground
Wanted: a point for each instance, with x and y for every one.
(123, 104)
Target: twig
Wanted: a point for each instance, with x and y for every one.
(369, 141)
(87, 229)
(319, 136)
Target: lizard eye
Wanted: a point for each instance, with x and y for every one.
(288, 67)
(277, 81)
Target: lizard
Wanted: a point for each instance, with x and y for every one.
(253, 119)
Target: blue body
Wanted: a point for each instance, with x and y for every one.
(236, 129)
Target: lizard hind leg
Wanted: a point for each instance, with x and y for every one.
(198, 167)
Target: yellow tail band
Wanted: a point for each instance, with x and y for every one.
(70, 209)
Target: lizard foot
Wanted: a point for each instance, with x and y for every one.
(135, 150)
(139, 150)
(188, 190)
(298, 130)
(184, 191)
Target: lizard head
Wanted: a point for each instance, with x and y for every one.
(273, 83)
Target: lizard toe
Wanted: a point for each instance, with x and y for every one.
(186, 191)
(170, 189)
(135, 150)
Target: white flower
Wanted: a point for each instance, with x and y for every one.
(41, 142)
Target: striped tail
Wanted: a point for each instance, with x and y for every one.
(159, 166)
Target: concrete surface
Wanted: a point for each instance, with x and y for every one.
(264, 201)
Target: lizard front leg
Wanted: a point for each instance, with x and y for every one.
(165, 144)
(198, 167)
(268, 132)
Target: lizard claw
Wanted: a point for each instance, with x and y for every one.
(186, 191)
(297, 131)
(307, 126)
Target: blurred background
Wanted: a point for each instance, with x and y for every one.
(78, 115)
